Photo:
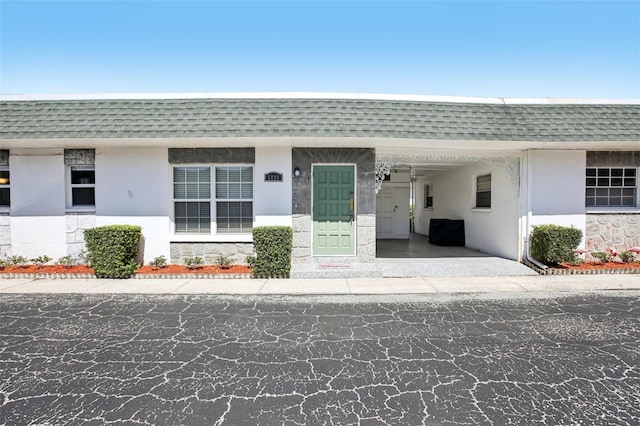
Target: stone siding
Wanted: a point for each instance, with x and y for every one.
(76, 224)
(613, 158)
(211, 155)
(619, 231)
(79, 157)
(5, 235)
(237, 252)
(366, 238)
(301, 247)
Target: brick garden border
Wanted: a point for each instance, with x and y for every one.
(603, 271)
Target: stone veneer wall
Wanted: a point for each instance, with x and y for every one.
(613, 158)
(364, 159)
(366, 238)
(5, 235)
(612, 230)
(76, 224)
(237, 252)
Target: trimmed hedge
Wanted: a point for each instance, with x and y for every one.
(273, 251)
(553, 244)
(113, 250)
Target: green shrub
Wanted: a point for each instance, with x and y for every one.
(112, 250)
(193, 262)
(627, 256)
(601, 256)
(17, 260)
(40, 261)
(553, 244)
(273, 251)
(223, 262)
(159, 262)
(66, 261)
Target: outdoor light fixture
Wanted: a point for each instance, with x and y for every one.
(296, 172)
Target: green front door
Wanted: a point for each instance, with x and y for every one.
(333, 211)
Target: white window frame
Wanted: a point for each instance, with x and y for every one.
(71, 186)
(476, 184)
(233, 200)
(6, 186)
(191, 200)
(592, 187)
(213, 234)
(428, 193)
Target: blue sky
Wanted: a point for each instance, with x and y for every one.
(572, 49)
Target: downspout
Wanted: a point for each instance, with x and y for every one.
(527, 208)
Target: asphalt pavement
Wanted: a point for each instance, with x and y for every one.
(530, 358)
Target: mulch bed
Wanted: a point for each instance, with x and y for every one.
(169, 271)
(205, 271)
(600, 265)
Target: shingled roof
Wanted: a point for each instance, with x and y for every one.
(322, 117)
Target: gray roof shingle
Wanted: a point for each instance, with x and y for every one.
(222, 117)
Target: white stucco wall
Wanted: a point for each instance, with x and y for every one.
(133, 182)
(272, 200)
(33, 236)
(37, 203)
(37, 183)
(133, 187)
(493, 231)
(556, 182)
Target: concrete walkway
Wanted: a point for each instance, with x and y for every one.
(345, 286)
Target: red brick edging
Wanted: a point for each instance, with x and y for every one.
(608, 271)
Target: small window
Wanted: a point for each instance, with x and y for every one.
(483, 191)
(5, 188)
(428, 197)
(83, 186)
(611, 187)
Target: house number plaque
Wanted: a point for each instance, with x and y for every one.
(273, 177)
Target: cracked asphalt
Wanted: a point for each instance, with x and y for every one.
(72, 359)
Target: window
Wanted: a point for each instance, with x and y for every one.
(5, 189)
(83, 186)
(483, 191)
(234, 199)
(428, 197)
(193, 201)
(611, 187)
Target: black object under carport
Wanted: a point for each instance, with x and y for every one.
(446, 232)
